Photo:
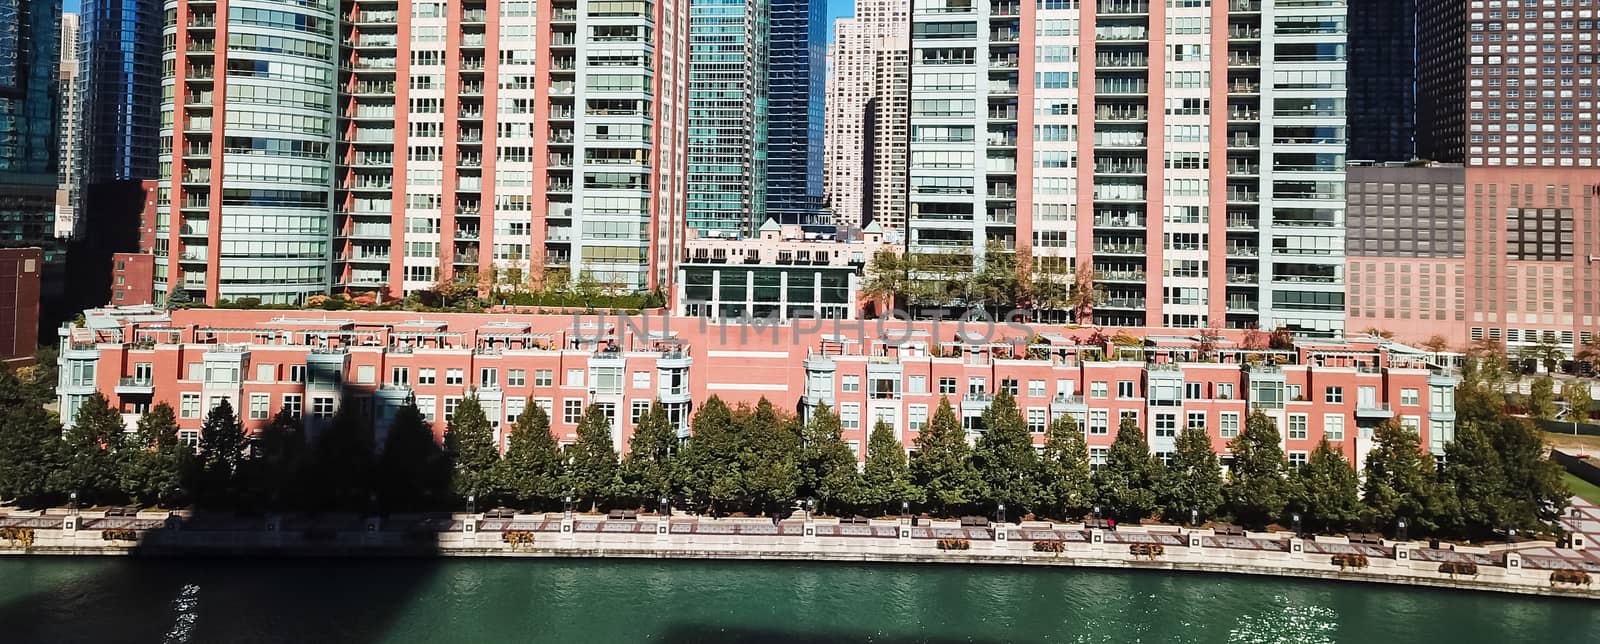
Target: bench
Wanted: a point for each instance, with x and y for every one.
(623, 515)
(1367, 538)
(974, 522)
(124, 511)
(500, 513)
(1227, 530)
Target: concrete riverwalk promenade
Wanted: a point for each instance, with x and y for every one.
(1529, 567)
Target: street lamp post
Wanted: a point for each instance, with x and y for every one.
(1000, 514)
(905, 507)
(1400, 529)
(1194, 517)
(1296, 519)
(666, 508)
(74, 502)
(472, 504)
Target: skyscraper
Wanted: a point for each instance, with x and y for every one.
(1383, 75)
(120, 78)
(728, 115)
(1191, 154)
(440, 145)
(798, 38)
(30, 37)
(68, 168)
(867, 115)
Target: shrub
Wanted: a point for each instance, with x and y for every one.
(1056, 546)
(1151, 550)
(248, 302)
(1350, 560)
(119, 534)
(18, 537)
(517, 538)
(1454, 568)
(955, 544)
(1574, 577)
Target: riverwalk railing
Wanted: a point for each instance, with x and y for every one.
(1527, 567)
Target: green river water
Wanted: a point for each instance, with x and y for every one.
(60, 600)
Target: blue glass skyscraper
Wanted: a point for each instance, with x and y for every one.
(120, 72)
(728, 112)
(798, 38)
(30, 49)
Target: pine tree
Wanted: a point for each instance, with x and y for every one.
(710, 474)
(593, 476)
(1256, 485)
(1126, 484)
(1399, 481)
(647, 469)
(1004, 456)
(413, 470)
(1476, 484)
(276, 468)
(532, 471)
(1324, 491)
(154, 461)
(1542, 398)
(1066, 485)
(942, 467)
(771, 455)
(469, 446)
(1576, 394)
(827, 467)
(1536, 495)
(1192, 487)
(222, 444)
(90, 451)
(28, 438)
(886, 479)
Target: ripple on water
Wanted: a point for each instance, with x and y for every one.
(1282, 622)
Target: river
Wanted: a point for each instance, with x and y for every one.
(59, 600)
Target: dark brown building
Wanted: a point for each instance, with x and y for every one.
(20, 270)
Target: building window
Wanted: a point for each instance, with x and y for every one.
(429, 406)
(916, 417)
(189, 406)
(1294, 392)
(426, 376)
(450, 405)
(1098, 389)
(400, 376)
(637, 409)
(1193, 390)
(1224, 391)
(291, 405)
(977, 385)
(850, 415)
(544, 377)
(1166, 425)
(571, 410)
(947, 386)
(574, 378)
(189, 437)
(1409, 397)
(322, 407)
(1297, 459)
(514, 408)
(607, 380)
(917, 385)
(488, 377)
(1441, 400)
(1009, 385)
(260, 406)
(849, 383)
(1037, 420)
(1334, 395)
(547, 404)
(1297, 427)
(1228, 425)
(1099, 422)
(266, 373)
(297, 373)
(641, 380)
(1196, 420)
(1126, 389)
(516, 377)
(1097, 458)
(1333, 428)
(455, 377)
(1036, 388)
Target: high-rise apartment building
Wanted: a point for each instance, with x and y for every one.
(798, 37)
(868, 114)
(1497, 239)
(1192, 154)
(728, 115)
(30, 92)
(121, 79)
(68, 168)
(1382, 107)
(393, 145)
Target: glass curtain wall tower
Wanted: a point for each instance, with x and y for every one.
(728, 115)
(796, 83)
(30, 93)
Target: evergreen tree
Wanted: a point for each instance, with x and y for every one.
(1542, 398)
(533, 471)
(215, 472)
(1066, 483)
(413, 470)
(593, 476)
(469, 446)
(827, 467)
(1193, 481)
(1475, 481)
(1536, 495)
(942, 467)
(340, 475)
(710, 474)
(647, 469)
(771, 454)
(90, 451)
(1126, 484)
(1324, 491)
(276, 467)
(154, 462)
(1004, 457)
(1256, 485)
(1399, 481)
(1576, 394)
(886, 479)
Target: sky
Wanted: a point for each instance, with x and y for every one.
(839, 9)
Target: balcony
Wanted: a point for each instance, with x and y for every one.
(1237, 250)
(1121, 61)
(1370, 409)
(1244, 32)
(1243, 60)
(136, 385)
(1240, 277)
(1119, 248)
(1123, 303)
(1122, 7)
(1240, 305)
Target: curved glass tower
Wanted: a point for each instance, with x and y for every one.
(246, 165)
